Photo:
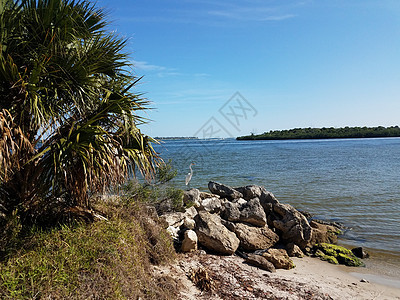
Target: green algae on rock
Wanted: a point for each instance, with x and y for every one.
(326, 257)
(337, 254)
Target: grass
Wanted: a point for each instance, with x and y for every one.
(101, 260)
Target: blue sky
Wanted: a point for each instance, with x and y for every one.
(294, 63)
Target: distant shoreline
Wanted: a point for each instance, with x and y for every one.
(326, 133)
(176, 138)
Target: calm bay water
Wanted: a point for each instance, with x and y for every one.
(352, 181)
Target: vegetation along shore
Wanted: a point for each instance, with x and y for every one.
(326, 133)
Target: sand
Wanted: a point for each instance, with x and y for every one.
(311, 279)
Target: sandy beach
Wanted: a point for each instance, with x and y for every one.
(311, 279)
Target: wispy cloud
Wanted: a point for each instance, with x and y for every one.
(145, 66)
(253, 12)
(159, 71)
(257, 15)
(204, 12)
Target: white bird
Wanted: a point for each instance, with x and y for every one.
(189, 175)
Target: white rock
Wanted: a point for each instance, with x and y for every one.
(189, 223)
(190, 212)
(212, 205)
(172, 219)
(173, 231)
(190, 241)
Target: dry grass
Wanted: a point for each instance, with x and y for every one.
(102, 260)
(201, 279)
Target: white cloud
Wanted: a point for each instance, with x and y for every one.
(145, 66)
(253, 13)
(213, 13)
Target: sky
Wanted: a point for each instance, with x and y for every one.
(230, 68)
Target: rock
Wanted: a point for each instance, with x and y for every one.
(213, 235)
(189, 223)
(308, 215)
(250, 191)
(191, 197)
(189, 243)
(293, 250)
(251, 212)
(293, 225)
(260, 262)
(341, 254)
(360, 252)
(239, 201)
(224, 191)
(364, 280)
(212, 205)
(349, 260)
(267, 198)
(205, 195)
(329, 258)
(254, 238)
(322, 233)
(190, 212)
(172, 219)
(174, 232)
(279, 258)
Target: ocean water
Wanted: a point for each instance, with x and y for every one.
(352, 181)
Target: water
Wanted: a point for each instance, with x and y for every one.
(352, 181)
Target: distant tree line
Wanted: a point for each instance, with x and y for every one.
(326, 133)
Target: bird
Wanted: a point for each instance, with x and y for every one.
(189, 175)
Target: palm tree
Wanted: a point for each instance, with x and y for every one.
(68, 116)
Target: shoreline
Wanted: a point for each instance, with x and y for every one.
(310, 279)
(342, 280)
(380, 264)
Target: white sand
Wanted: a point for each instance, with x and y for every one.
(341, 282)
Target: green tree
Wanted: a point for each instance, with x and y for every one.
(68, 116)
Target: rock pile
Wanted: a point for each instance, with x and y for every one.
(248, 219)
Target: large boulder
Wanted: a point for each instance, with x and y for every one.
(190, 212)
(293, 250)
(260, 262)
(191, 197)
(279, 258)
(213, 235)
(256, 191)
(224, 191)
(189, 243)
(172, 219)
(250, 212)
(212, 205)
(250, 191)
(292, 224)
(322, 233)
(254, 238)
(337, 254)
(267, 200)
(205, 195)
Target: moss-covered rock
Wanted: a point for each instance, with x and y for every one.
(337, 254)
(348, 260)
(328, 258)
